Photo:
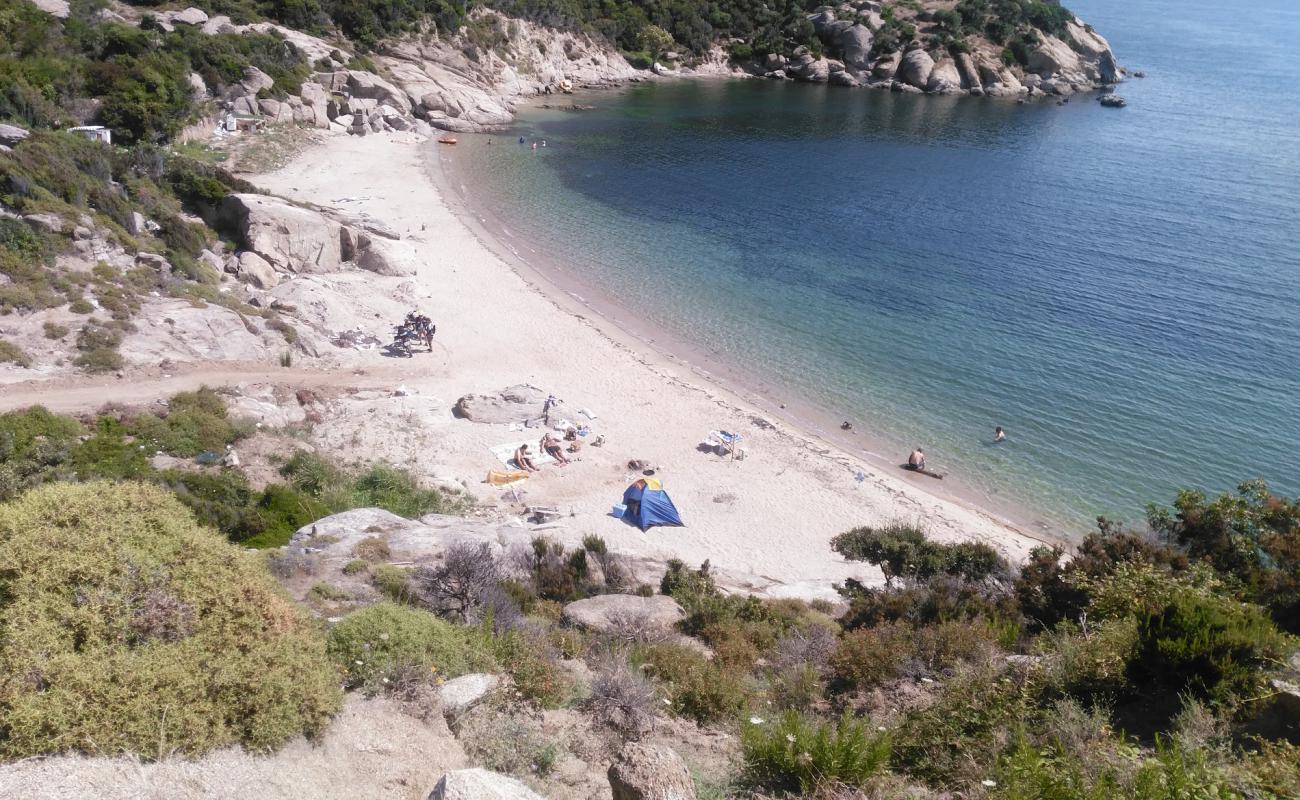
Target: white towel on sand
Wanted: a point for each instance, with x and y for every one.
(505, 453)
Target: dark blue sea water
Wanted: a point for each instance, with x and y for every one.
(1119, 289)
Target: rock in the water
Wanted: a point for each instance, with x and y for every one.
(617, 613)
(292, 239)
(460, 694)
(481, 784)
(11, 135)
(970, 76)
(887, 66)
(843, 79)
(1112, 101)
(944, 78)
(649, 772)
(855, 45)
(915, 68)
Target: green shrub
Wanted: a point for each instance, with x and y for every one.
(279, 513)
(868, 657)
(1253, 536)
(329, 593)
(1174, 772)
(939, 599)
(902, 551)
(356, 566)
(531, 666)
(393, 582)
(696, 688)
(957, 738)
(793, 753)
(372, 548)
(379, 485)
(55, 331)
(107, 454)
(13, 354)
(195, 422)
(376, 644)
(1208, 647)
(127, 628)
(98, 348)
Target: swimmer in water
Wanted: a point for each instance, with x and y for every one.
(999, 435)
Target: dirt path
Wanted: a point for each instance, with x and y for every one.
(68, 395)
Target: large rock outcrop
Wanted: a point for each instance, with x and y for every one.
(915, 68)
(516, 404)
(177, 330)
(944, 78)
(650, 772)
(290, 238)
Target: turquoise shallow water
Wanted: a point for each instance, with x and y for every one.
(1119, 289)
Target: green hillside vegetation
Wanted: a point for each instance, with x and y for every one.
(127, 628)
(37, 447)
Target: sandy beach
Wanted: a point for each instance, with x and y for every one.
(765, 521)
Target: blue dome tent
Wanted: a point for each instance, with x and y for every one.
(649, 505)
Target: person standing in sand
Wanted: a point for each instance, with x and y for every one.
(917, 460)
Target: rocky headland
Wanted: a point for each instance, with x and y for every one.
(473, 80)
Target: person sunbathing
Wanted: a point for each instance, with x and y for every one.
(524, 459)
(554, 448)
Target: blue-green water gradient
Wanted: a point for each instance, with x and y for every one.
(1119, 289)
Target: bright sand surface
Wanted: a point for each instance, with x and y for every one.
(765, 520)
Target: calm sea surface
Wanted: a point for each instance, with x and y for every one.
(1119, 289)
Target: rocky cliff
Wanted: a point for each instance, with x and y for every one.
(472, 80)
(886, 46)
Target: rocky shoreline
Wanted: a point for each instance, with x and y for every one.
(456, 84)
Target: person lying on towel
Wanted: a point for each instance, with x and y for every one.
(554, 448)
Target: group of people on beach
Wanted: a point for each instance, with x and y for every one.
(415, 329)
(551, 445)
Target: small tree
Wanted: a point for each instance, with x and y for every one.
(656, 41)
(467, 577)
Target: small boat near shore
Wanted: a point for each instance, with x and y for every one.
(446, 140)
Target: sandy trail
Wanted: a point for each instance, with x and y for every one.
(74, 395)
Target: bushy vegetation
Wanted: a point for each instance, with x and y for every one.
(138, 76)
(39, 447)
(128, 628)
(376, 646)
(793, 753)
